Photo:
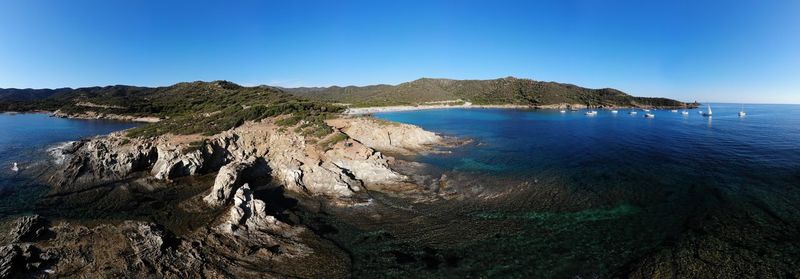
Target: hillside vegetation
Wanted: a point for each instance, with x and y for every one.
(212, 107)
(185, 108)
(480, 92)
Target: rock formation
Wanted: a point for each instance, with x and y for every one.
(340, 170)
(244, 240)
(386, 136)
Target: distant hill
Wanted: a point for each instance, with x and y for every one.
(142, 101)
(508, 90)
(185, 108)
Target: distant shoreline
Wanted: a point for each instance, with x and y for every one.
(368, 110)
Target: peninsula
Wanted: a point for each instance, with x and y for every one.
(231, 181)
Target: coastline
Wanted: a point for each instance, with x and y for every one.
(369, 110)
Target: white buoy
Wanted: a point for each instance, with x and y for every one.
(15, 168)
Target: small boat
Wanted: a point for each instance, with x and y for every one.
(649, 115)
(614, 111)
(741, 112)
(685, 112)
(707, 113)
(591, 113)
(14, 167)
(646, 110)
(633, 112)
(674, 110)
(563, 111)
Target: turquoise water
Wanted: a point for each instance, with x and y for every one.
(618, 195)
(24, 138)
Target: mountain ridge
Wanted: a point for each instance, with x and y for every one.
(501, 91)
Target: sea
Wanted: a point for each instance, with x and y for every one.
(569, 195)
(546, 194)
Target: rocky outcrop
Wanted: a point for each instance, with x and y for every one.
(386, 136)
(28, 228)
(287, 158)
(228, 179)
(249, 244)
(101, 160)
(178, 161)
(243, 240)
(24, 261)
(249, 215)
(100, 115)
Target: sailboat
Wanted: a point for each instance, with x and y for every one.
(633, 111)
(707, 113)
(649, 115)
(591, 113)
(14, 167)
(741, 112)
(684, 112)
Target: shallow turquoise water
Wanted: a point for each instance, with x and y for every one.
(24, 138)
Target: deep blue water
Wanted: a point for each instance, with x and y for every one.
(24, 139)
(525, 142)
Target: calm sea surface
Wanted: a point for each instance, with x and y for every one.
(613, 194)
(24, 138)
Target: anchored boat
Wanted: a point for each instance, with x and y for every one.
(708, 112)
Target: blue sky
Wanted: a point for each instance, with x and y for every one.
(734, 51)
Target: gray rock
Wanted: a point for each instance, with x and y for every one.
(28, 228)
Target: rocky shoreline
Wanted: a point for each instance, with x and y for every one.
(244, 237)
(89, 115)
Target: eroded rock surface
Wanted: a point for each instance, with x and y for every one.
(244, 240)
(387, 136)
(340, 170)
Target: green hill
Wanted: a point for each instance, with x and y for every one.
(211, 107)
(185, 108)
(508, 90)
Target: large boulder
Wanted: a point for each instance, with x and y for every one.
(228, 179)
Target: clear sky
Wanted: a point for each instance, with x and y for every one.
(731, 50)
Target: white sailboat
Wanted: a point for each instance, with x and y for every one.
(591, 113)
(14, 167)
(649, 115)
(707, 113)
(633, 112)
(741, 112)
